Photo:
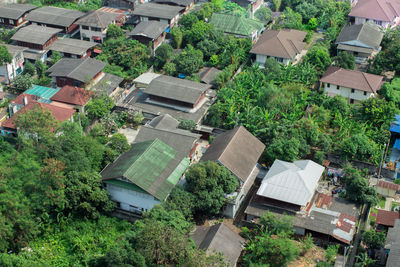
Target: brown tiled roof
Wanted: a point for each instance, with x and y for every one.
(323, 201)
(383, 10)
(353, 79)
(20, 99)
(283, 43)
(388, 185)
(60, 114)
(72, 95)
(237, 149)
(386, 217)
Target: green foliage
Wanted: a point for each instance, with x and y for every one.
(388, 58)
(209, 182)
(318, 56)
(276, 5)
(181, 200)
(187, 125)
(263, 14)
(209, 48)
(324, 264)
(55, 57)
(177, 37)
(6, 34)
(197, 32)
(277, 225)
(307, 243)
(187, 21)
(234, 9)
(359, 147)
(391, 91)
(290, 19)
(363, 260)
(331, 252)
(5, 56)
(163, 55)
(99, 107)
(373, 239)
(312, 24)
(169, 68)
(169, 218)
(114, 32)
(29, 69)
(357, 187)
(345, 60)
(21, 83)
(189, 61)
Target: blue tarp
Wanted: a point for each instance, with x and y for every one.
(168, 30)
(395, 127)
(397, 144)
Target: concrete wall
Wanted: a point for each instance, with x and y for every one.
(357, 95)
(260, 59)
(88, 34)
(383, 24)
(386, 192)
(11, 70)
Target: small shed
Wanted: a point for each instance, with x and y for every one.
(387, 189)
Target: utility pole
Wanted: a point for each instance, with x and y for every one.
(383, 156)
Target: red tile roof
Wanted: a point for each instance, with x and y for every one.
(388, 185)
(20, 99)
(60, 114)
(72, 95)
(386, 217)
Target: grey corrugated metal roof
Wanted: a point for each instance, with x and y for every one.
(54, 16)
(15, 11)
(183, 3)
(71, 46)
(393, 244)
(176, 89)
(108, 83)
(13, 49)
(157, 10)
(360, 35)
(35, 34)
(83, 69)
(98, 19)
(165, 121)
(151, 29)
(291, 182)
(207, 75)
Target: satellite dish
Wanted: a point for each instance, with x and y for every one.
(397, 208)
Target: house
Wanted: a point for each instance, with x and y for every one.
(384, 13)
(238, 150)
(110, 85)
(73, 48)
(208, 75)
(392, 245)
(353, 85)
(13, 14)
(11, 70)
(145, 79)
(153, 32)
(56, 17)
(284, 45)
(143, 176)
(71, 97)
(158, 12)
(361, 40)
(219, 239)
(123, 4)
(386, 219)
(237, 26)
(76, 72)
(93, 26)
(37, 39)
(253, 5)
(187, 4)
(165, 128)
(61, 114)
(387, 189)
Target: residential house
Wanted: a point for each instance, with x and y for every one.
(144, 175)
(219, 238)
(187, 4)
(71, 97)
(253, 4)
(158, 12)
(238, 150)
(384, 13)
(110, 85)
(76, 72)
(387, 189)
(37, 40)
(13, 15)
(73, 48)
(153, 32)
(10, 70)
(291, 188)
(386, 219)
(284, 45)
(360, 40)
(145, 79)
(208, 75)
(93, 26)
(353, 85)
(237, 26)
(392, 245)
(56, 17)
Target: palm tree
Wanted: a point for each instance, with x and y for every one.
(363, 260)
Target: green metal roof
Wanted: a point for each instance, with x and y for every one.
(41, 91)
(235, 24)
(151, 165)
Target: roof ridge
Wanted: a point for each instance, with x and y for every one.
(229, 141)
(78, 65)
(279, 39)
(369, 84)
(98, 18)
(170, 131)
(379, 4)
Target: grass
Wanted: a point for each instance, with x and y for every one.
(382, 202)
(395, 204)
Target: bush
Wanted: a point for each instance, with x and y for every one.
(187, 125)
(319, 157)
(331, 252)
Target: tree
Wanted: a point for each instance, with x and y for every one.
(170, 68)
(363, 260)
(189, 61)
(290, 19)
(209, 48)
(275, 226)
(22, 82)
(187, 125)
(199, 31)
(307, 10)
(181, 200)
(331, 252)
(188, 20)
(99, 107)
(55, 57)
(391, 91)
(119, 143)
(169, 218)
(373, 239)
(209, 182)
(359, 147)
(114, 32)
(263, 14)
(318, 56)
(276, 5)
(5, 56)
(40, 68)
(29, 69)
(177, 37)
(162, 55)
(345, 60)
(272, 69)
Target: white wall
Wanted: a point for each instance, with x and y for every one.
(383, 24)
(129, 198)
(9, 70)
(358, 95)
(260, 59)
(89, 33)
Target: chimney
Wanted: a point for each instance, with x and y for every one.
(25, 100)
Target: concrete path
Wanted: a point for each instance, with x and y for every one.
(388, 203)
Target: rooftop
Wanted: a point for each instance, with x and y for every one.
(35, 34)
(54, 16)
(353, 79)
(151, 29)
(157, 10)
(388, 185)
(14, 49)
(183, 3)
(41, 91)
(99, 19)
(387, 218)
(72, 46)
(235, 24)
(361, 35)
(393, 243)
(207, 75)
(72, 95)
(108, 83)
(384, 10)
(15, 11)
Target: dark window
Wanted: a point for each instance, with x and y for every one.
(337, 87)
(328, 85)
(351, 101)
(76, 83)
(85, 27)
(118, 204)
(352, 91)
(365, 93)
(95, 29)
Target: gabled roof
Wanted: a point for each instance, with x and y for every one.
(176, 89)
(383, 10)
(219, 239)
(82, 69)
(293, 183)
(98, 19)
(59, 113)
(147, 165)
(15, 11)
(20, 99)
(237, 149)
(14, 49)
(386, 217)
(235, 24)
(388, 185)
(207, 75)
(54, 16)
(166, 122)
(151, 29)
(353, 79)
(183, 3)
(72, 46)
(35, 34)
(108, 83)
(72, 95)
(286, 43)
(360, 35)
(157, 10)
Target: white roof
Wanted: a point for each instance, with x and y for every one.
(146, 78)
(293, 183)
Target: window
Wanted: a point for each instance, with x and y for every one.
(1, 20)
(85, 27)
(95, 29)
(352, 91)
(118, 204)
(351, 101)
(11, 21)
(328, 85)
(279, 59)
(337, 87)
(365, 93)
